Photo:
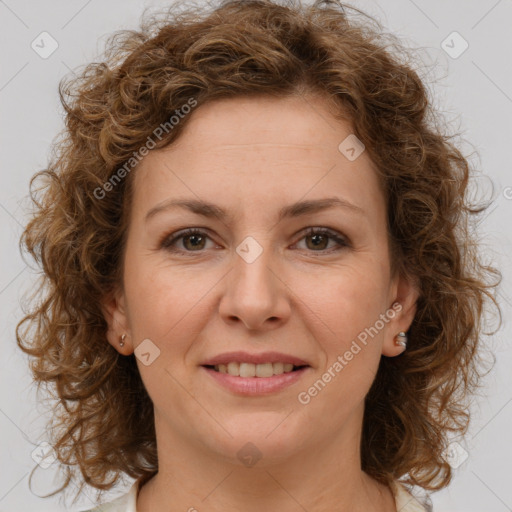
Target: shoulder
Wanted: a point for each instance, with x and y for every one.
(125, 503)
(407, 501)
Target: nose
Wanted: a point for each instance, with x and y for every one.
(255, 294)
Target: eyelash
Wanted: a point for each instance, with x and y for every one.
(168, 241)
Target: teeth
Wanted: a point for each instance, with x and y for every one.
(278, 368)
(261, 370)
(245, 370)
(254, 370)
(233, 369)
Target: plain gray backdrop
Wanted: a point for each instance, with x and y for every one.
(473, 89)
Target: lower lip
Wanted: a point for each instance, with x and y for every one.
(251, 386)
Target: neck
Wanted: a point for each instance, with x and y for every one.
(191, 478)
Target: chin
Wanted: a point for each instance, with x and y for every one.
(262, 439)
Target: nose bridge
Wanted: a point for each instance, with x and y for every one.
(253, 262)
(252, 293)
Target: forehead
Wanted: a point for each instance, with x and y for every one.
(294, 120)
(260, 149)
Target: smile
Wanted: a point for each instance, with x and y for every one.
(254, 370)
(255, 384)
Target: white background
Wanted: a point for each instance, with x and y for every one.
(475, 93)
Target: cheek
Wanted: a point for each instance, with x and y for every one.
(165, 301)
(345, 303)
(348, 306)
(351, 345)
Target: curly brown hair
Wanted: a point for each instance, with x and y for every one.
(104, 424)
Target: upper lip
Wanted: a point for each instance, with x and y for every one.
(263, 357)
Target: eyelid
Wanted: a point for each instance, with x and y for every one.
(171, 238)
(341, 240)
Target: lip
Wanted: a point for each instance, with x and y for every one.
(246, 357)
(253, 386)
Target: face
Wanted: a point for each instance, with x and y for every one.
(305, 285)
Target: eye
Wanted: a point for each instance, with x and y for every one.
(194, 240)
(320, 237)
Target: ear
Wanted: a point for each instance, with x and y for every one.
(114, 310)
(404, 303)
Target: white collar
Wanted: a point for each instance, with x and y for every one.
(405, 501)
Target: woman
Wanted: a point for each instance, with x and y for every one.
(260, 287)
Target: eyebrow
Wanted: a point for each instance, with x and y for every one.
(210, 210)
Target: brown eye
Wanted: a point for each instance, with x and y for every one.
(319, 241)
(196, 241)
(193, 241)
(320, 237)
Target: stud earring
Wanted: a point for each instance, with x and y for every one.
(401, 339)
(121, 342)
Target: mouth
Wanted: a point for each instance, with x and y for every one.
(247, 370)
(250, 379)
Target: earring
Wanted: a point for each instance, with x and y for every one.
(121, 342)
(402, 339)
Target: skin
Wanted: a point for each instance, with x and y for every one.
(295, 298)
